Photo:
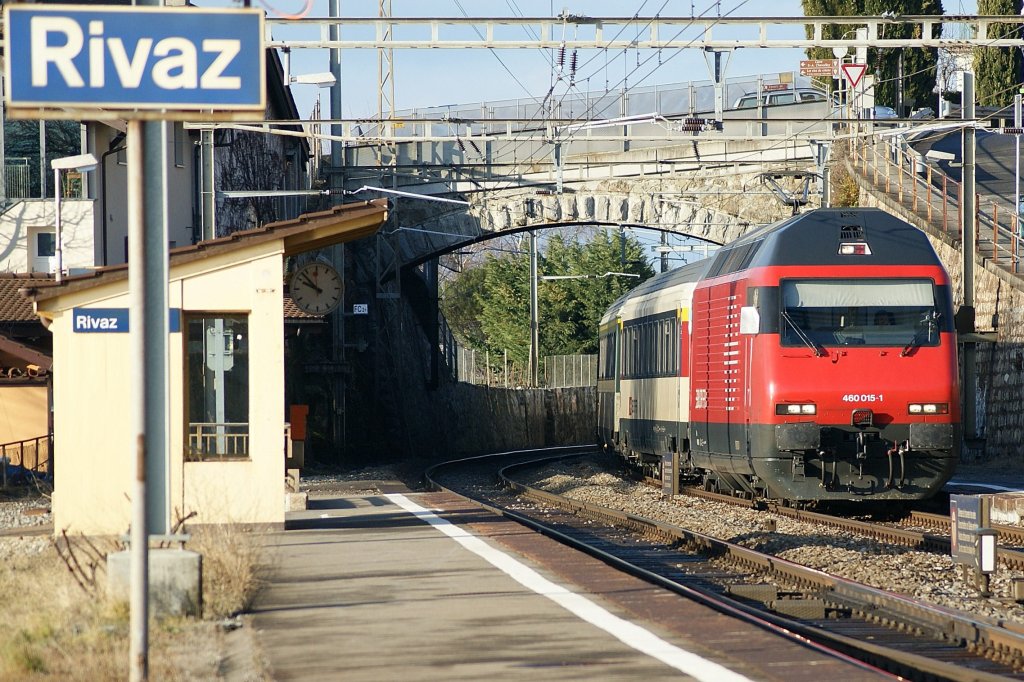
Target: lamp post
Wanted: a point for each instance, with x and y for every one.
(82, 163)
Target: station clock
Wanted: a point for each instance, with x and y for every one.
(316, 288)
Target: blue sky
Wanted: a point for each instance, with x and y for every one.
(438, 77)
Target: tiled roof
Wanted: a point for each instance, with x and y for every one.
(13, 306)
(292, 313)
(307, 232)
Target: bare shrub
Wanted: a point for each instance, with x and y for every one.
(234, 567)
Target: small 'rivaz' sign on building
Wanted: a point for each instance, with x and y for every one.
(113, 320)
(159, 62)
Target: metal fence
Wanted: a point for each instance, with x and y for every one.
(212, 440)
(899, 171)
(483, 368)
(31, 454)
(17, 178)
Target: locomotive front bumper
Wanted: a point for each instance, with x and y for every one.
(802, 436)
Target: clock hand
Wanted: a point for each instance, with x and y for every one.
(308, 281)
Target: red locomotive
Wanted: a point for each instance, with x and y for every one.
(812, 359)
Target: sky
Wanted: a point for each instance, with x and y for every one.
(426, 78)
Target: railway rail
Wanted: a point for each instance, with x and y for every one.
(896, 633)
(1009, 536)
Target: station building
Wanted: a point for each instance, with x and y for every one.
(225, 361)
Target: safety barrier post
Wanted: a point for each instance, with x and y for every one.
(899, 173)
(945, 203)
(915, 185)
(929, 181)
(995, 233)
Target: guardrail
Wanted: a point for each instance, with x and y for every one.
(33, 455)
(217, 440)
(918, 186)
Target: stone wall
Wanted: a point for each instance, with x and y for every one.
(999, 308)
(478, 419)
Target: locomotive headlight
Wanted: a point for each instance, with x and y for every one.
(854, 249)
(795, 408)
(928, 408)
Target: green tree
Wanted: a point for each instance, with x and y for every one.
(996, 68)
(488, 306)
(460, 306)
(911, 69)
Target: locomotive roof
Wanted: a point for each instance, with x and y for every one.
(813, 238)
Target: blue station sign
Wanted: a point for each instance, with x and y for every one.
(113, 320)
(134, 58)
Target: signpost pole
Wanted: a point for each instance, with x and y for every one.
(138, 645)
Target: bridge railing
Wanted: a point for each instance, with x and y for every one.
(902, 173)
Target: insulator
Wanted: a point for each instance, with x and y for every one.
(572, 62)
(561, 56)
(461, 144)
(475, 148)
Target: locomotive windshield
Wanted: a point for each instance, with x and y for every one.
(847, 312)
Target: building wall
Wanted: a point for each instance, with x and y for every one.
(20, 223)
(92, 404)
(23, 412)
(110, 190)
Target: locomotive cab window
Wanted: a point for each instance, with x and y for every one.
(858, 312)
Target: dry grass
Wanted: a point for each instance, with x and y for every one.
(56, 630)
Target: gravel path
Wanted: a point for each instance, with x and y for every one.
(930, 577)
(23, 513)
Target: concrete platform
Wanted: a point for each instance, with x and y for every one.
(426, 587)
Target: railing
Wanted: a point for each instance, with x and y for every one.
(213, 440)
(31, 454)
(916, 185)
(569, 370)
(17, 178)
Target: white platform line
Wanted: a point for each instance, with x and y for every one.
(628, 633)
(987, 486)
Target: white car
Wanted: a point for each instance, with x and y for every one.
(773, 97)
(882, 112)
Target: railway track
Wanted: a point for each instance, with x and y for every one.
(906, 534)
(896, 633)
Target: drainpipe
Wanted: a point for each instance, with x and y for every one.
(103, 194)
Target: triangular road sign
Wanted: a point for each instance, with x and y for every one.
(854, 72)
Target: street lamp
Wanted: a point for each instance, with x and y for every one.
(607, 274)
(82, 163)
(534, 318)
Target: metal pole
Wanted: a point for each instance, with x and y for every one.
(58, 238)
(209, 203)
(138, 655)
(534, 325)
(154, 326)
(1016, 165)
(967, 247)
(336, 182)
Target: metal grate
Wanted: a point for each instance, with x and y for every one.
(851, 232)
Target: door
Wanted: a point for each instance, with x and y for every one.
(43, 252)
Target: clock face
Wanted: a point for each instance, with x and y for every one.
(316, 288)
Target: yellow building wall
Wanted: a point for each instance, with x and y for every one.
(92, 422)
(23, 413)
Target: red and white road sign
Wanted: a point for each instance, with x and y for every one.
(854, 72)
